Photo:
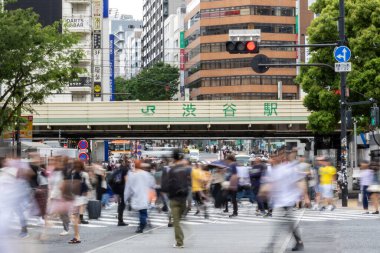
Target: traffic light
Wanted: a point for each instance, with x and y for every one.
(242, 47)
(375, 116)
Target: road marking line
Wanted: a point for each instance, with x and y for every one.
(122, 240)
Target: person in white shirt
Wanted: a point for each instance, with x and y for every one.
(139, 185)
(286, 185)
(366, 179)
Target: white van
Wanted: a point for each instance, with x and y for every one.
(194, 155)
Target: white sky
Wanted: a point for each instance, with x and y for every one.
(131, 7)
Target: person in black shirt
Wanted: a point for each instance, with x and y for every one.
(256, 173)
(117, 183)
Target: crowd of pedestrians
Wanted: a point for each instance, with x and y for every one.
(61, 188)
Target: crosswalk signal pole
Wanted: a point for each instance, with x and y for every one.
(343, 133)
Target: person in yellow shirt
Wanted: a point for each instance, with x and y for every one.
(198, 183)
(327, 176)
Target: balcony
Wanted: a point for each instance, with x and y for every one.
(87, 55)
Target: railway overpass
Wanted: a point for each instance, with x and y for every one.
(171, 119)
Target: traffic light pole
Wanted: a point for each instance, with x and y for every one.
(342, 175)
(296, 65)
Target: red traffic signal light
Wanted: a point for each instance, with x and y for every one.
(242, 47)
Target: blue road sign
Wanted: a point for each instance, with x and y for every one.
(342, 54)
(83, 156)
(83, 144)
(139, 153)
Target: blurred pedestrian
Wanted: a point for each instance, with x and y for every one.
(256, 173)
(232, 178)
(286, 185)
(199, 182)
(12, 192)
(75, 188)
(366, 179)
(58, 205)
(218, 169)
(117, 183)
(374, 188)
(86, 188)
(178, 184)
(39, 184)
(138, 186)
(327, 176)
(316, 182)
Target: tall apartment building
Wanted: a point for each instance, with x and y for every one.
(212, 73)
(122, 28)
(154, 14)
(133, 53)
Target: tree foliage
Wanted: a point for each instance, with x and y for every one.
(121, 89)
(320, 84)
(35, 62)
(159, 82)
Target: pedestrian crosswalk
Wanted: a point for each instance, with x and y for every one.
(247, 215)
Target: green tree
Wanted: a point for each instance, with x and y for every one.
(121, 89)
(35, 62)
(159, 82)
(321, 84)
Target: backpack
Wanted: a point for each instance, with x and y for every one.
(165, 179)
(116, 181)
(178, 182)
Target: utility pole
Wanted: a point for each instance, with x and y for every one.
(343, 127)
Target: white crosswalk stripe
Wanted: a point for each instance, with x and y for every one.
(246, 215)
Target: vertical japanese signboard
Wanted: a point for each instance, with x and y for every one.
(182, 63)
(112, 67)
(97, 12)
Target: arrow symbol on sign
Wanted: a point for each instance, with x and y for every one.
(341, 57)
(344, 54)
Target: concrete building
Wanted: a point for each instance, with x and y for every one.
(174, 25)
(123, 28)
(212, 73)
(49, 11)
(89, 19)
(133, 53)
(155, 13)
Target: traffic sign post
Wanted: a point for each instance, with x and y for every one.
(82, 144)
(342, 54)
(83, 156)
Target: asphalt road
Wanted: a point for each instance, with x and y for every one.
(343, 230)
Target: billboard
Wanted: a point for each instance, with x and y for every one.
(112, 67)
(26, 130)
